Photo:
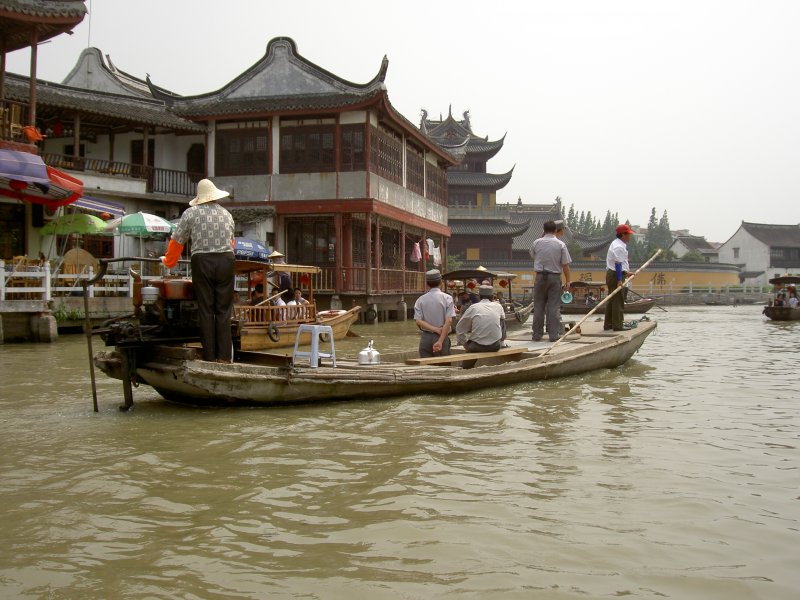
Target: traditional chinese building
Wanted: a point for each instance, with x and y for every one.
(353, 182)
(479, 232)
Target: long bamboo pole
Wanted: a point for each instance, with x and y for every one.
(602, 302)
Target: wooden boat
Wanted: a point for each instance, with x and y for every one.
(782, 313)
(516, 313)
(581, 289)
(268, 379)
(264, 327)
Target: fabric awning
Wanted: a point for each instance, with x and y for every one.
(24, 176)
(99, 206)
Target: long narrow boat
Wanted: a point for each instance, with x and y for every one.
(267, 379)
(783, 313)
(579, 306)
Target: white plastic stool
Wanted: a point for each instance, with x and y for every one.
(315, 355)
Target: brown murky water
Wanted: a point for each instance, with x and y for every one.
(675, 476)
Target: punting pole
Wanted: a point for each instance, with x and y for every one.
(87, 326)
(602, 302)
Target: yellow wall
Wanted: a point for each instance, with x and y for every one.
(653, 279)
(473, 253)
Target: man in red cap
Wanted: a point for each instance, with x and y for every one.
(617, 267)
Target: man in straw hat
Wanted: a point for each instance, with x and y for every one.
(433, 313)
(210, 228)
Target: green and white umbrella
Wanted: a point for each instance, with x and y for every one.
(141, 225)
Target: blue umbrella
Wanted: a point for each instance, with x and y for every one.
(249, 249)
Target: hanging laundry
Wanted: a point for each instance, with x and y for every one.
(430, 247)
(416, 253)
(437, 257)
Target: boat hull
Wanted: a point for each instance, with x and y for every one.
(637, 307)
(184, 379)
(782, 313)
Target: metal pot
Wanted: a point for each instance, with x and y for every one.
(369, 356)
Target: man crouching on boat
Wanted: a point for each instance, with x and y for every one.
(482, 327)
(210, 228)
(433, 313)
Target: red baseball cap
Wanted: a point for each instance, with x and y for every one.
(624, 228)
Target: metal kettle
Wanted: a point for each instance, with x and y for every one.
(369, 356)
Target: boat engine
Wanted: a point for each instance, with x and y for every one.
(165, 311)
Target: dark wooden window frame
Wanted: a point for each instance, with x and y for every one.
(242, 151)
(308, 149)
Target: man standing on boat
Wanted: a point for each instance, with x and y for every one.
(210, 228)
(482, 327)
(617, 267)
(433, 313)
(550, 258)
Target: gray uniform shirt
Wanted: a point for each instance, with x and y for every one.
(434, 307)
(481, 323)
(549, 254)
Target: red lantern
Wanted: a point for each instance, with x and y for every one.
(304, 279)
(503, 283)
(105, 216)
(18, 185)
(471, 285)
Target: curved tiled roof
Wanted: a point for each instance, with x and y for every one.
(774, 235)
(98, 107)
(19, 17)
(486, 227)
(458, 137)
(282, 73)
(483, 180)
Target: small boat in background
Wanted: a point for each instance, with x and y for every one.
(587, 294)
(516, 312)
(779, 309)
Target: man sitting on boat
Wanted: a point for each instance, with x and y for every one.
(482, 327)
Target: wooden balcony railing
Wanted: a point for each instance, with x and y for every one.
(162, 181)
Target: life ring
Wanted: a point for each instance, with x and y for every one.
(370, 315)
(273, 332)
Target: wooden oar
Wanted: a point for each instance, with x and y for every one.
(602, 302)
(270, 298)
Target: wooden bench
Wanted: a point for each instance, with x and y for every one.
(461, 357)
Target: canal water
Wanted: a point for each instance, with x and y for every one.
(674, 476)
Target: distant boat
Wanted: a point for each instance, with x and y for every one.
(516, 313)
(579, 306)
(782, 313)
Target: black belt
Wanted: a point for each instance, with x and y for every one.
(546, 273)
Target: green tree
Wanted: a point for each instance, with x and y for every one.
(575, 250)
(693, 256)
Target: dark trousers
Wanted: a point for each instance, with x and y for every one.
(471, 346)
(426, 341)
(212, 280)
(547, 301)
(615, 308)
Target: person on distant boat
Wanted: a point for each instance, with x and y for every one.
(300, 302)
(482, 327)
(258, 295)
(780, 299)
(550, 258)
(792, 300)
(463, 302)
(591, 299)
(617, 267)
(433, 313)
(210, 227)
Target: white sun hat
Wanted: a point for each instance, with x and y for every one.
(207, 192)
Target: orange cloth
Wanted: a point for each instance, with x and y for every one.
(174, 251)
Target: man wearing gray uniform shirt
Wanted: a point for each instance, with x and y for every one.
(433, 313)
(550, 258)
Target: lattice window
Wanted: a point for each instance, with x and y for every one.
(307, 149)
(387, 155)
(242, 151)
(436, 184)
(415, 170)
(353, 156)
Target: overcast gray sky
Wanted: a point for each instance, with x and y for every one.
(689, 106)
